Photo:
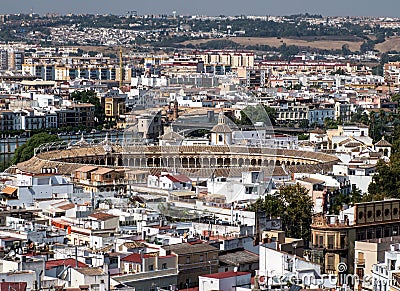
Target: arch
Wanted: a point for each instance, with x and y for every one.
(191, 162)
(110, 161)
(220, 162)
(119, 162)
(102, 162)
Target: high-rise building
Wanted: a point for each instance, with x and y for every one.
(3, 60)
(15, 60)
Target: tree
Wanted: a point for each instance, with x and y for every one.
(386, 182)
(297, 217)
(259, 113)
(293, 205)
(356, 196)
(26, 151)
(329, 123)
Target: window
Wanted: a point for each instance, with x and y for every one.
(151, 268)
(188, 260)
(164, 266)
(201, 258)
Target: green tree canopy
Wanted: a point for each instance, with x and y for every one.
(26, 151)
(293, 205)
(259, 113)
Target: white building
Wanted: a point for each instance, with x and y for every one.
(251, 186)
(386, 274)
(29, 187)
(274, 264)
(227, 281)
(95, 278)
(167, 181)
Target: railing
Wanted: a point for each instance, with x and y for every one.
(360, 262)
(98, 183)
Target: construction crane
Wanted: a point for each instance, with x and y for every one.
(121, 69)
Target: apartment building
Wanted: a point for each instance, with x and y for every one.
(9, 120)
(114, 107)
(232, 58)
(333, 237)
(391, 72)
(76, 115)
(194, 260)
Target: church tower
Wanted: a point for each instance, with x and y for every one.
(221, 134)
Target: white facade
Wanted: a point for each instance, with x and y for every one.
(274, 264)
(228, 281)
(382, 273)
(96, 278)
(250, 187)
(40, 186)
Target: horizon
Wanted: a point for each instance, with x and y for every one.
(339, 8)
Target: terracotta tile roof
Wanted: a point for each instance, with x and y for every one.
(9, 190)
(383, 143)
(225, 275)
(102, 216)
(91, 271)
(14, 286)
(179, 178)
(86, 169)
(133, 258)
(67, 206)
(64, 262)
(102, 171)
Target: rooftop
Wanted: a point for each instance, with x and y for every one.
(186, 248)
(91, 271)
(101, 216)
(64, 262)
(225, 275)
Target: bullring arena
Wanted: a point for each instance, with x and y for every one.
(201, 161)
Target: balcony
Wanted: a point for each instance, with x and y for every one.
(330, 247)
(360, 263)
